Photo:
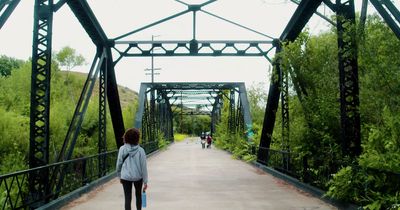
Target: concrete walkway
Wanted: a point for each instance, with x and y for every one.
(186, 177)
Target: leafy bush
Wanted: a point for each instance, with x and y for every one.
(162, 142)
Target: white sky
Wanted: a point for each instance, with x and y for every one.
(122, 16)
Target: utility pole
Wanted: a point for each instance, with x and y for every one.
(152, 69)
(152, 93)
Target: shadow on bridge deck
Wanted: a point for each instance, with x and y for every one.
(187, 177)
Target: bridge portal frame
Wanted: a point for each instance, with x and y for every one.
(41, 68)
(168, 93)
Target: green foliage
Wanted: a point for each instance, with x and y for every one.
(375, 183)
(378, 168)
(235, 142)
(382, 148)
(8, 64)
(192, 124)
(15, 91)
(373, 189)
(162, 142)
(65, 91)
(345, 184)
(372, 180)
(68, 58)
(257, 96)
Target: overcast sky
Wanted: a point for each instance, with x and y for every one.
(122, 16)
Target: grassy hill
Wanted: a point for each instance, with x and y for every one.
(126, 95)
(66, 88)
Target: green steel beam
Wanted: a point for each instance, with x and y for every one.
(193, 48)
(9, 6)
(328, 3)
(348, 78)
(88, 20)
(114, 101)
(270, 110)
(40, 98)
(388, 13)
(299, 19)
(59, 4)
(152, 24)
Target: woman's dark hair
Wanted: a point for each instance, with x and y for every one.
(131, 136)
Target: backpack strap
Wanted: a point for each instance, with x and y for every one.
(123, 160)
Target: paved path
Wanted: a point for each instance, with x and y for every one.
(186, 177)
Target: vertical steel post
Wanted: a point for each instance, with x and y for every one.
(152, 113)
(102, 141)
(171, 121)
(285, 117)
(285, 109)
(40, 97)
(348, 75)
(160, 117)
(239, 117)
(271, 108)
(232, 110)
(214, 114)
(181, 113)
(145, 123)
(114, 101)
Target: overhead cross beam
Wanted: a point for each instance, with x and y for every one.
(192, 48)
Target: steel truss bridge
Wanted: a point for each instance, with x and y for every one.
(159, 102)
(46, 181)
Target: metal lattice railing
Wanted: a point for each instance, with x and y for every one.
(14, 187)
(286, 162)
(314, 171)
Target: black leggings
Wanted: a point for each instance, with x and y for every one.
(127, 185)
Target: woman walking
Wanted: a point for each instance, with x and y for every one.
(132, 167)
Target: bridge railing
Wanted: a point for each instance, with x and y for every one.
(14, 187)
(286, 162)
(315, 172)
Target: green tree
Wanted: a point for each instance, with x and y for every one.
(371, 180)
(68, 58)
(7, 64)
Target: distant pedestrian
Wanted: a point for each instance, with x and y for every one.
(203, 140)
(209, 141)
(132, 167)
